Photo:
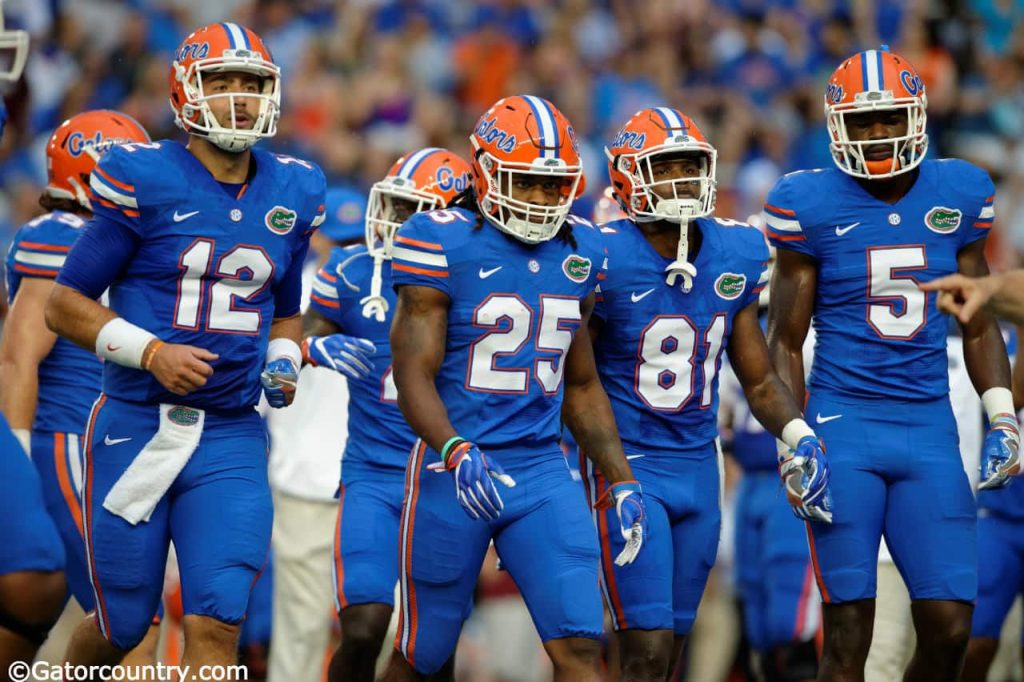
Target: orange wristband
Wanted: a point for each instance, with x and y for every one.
(147, 355)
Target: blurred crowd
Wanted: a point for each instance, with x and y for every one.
(367, 80)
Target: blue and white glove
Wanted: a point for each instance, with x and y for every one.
(349, 355)
(1000, 454)
(628, 500)
(474, 478)
(805, 473)
(279, 378)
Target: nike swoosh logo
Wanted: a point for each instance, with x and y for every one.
(113, 349)
(107, 440)
(484, 274)
(824, 420)
(178, 217)
(635, 456)
(840, 231)
(636, 298)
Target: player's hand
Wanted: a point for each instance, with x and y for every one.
(179, 368)
(1000, 455)
(349, 355)
(805, 473)
(474, 480)
(960, 295)
(279, 378)
(628, 500)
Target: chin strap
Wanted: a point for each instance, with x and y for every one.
(375, 305)
(681, 267)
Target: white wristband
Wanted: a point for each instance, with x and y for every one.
(794, 431)
(284, 348)
(998, 400)
(24, 437)
(122, 342)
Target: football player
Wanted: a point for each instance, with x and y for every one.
(682, 287)
(852, 243)
(489, 331)
(351, 310)
(202, 247)
(50, 383)
(32, 585)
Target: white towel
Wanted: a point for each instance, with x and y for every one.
(151, 473)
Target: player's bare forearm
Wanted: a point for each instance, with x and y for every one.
(770, 400)
(315, 324)
(75, 316)
(287, 328)
(586, 409)
(789, 316)
(418, 333)
(26, 342)
(1017, 377)
(984, 350)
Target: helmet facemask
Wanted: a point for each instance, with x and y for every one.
(527, 221)
(392, 200)
(654, 199)
(908, 150)
(13, 51)
(197, 117)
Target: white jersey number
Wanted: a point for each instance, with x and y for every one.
(510, 321)
(900, 309)
(664, 376)
(240, 274)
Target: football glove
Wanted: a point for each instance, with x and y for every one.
(628, 500)
(1000, 456)
(349, 355)
(276, 375)
(805, 474)
(474, 478)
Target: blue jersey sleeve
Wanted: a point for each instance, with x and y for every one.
(113, 192)
(756, 249)
(99, 256)
(41, 246)
(288, 294)
(781, 219)
(980, 195)
(419, 255)
(324, 298)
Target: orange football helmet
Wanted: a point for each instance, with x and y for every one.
(218, 48)
(78, 143)
(651, 133)
(427, 178)
(876, 80)
(524, 134)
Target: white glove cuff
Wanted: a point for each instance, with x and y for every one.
(284, 348)
(24, 437)
(792, 433)
(998, 400)
(122, 342)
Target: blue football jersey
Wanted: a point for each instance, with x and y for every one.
(659, 350)
(208, 263)
(878, 335)
(377, 432)
(69, 376)
(514, 311)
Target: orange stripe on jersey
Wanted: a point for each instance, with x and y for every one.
(417, 271)
(101, 606)
(414, 487)
(825, 596)
(327, 303)
(116, 183)
(60, 463)
(787, 237)
(339, 566)
(104, 202)
(801, 606)
(983, 224)
(416, 242)
(130, 213)
(36, 246)
(39, 272)
(606, 560)
(989, 198)
(327, 276)
(781, 211)
(241, 192)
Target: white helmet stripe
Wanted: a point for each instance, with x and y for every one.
(671, 117)
(546, 125)
(236, 35)
(871, 63)
(413, 162)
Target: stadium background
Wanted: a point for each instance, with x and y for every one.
(367, 80)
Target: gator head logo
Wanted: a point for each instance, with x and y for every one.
(943, 220)
(281, 220)
(576, 268)
(729, 285)
(183, 416)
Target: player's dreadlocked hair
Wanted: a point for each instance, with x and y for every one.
(467, 200)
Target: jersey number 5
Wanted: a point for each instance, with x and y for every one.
(901, 308)
(241, 273)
